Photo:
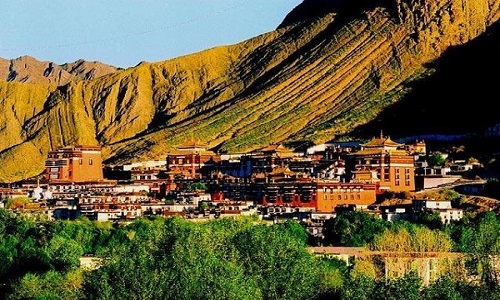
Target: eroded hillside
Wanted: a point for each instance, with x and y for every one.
(29, 70)
(311, 79)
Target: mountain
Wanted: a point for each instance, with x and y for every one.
(332, 69)
(27, 69)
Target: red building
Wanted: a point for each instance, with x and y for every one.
(74, 164)
(191, 159)
(392, 167)
(332, 194)
(322, 196)
(265, 160)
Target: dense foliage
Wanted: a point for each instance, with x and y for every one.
(173, 258)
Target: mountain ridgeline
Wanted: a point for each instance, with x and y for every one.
(29, 70)
(330, 68)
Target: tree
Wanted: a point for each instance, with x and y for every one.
(197, 186)
(336, 273)
(406, 287)
(82, 231)
(353, 228)
(17, 203)
(130, 276)
(134, 275)
(8, 221)
(436, 159)
(414, 239)
(296, 230)
(50, 285)
(473, 291)
(64, 254)
(182, 260)
(203, 205)
(482, 241)
(279, 262)
(359, 287)
(430, 219)
(442, 289)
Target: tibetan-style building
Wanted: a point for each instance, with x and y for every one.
(330, 195)
(386, 163)
(265, 160)
(191, 160)
(319, 195)
(74, 164)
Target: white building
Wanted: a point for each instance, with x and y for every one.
(442, 207)
(146, 165)
(131, 188)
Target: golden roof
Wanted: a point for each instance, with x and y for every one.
(191, 151)
(193, 144)
(282, 170)
(398, 152)
(381, 142)
(77, 148)
(376, 151)
(259, 175)
(275, 148)
(369, 152)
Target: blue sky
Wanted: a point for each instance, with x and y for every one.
(123, 33)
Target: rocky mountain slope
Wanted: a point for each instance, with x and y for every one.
(27, 69)
(330, 68)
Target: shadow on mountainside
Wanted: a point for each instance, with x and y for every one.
(347, 9)
(457, 98)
